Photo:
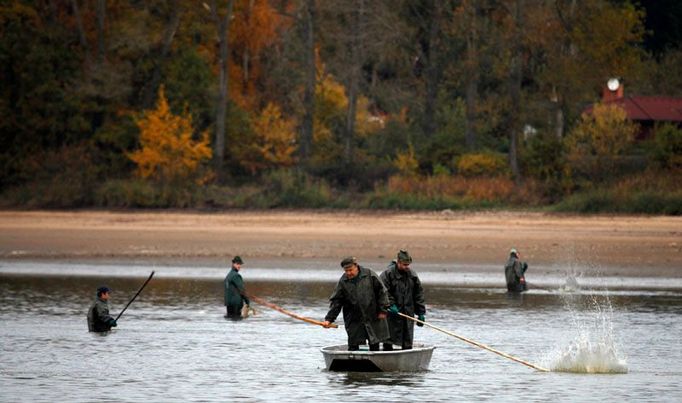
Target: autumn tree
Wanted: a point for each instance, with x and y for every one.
(272, 144)
(576, 47)
(168, 151)
(602, 135)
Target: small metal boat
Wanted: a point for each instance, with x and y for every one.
(338, 358)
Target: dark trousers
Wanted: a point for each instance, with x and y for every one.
(405, 335)
(234, 312)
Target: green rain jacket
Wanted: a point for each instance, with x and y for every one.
(362, 299)
(234, 290)
(99, 319)
(514, 271)
(404, 291)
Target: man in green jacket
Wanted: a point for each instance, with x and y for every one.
(515, 272)
(406, 295)
(99, 319)
(364, 300)
(235, 296)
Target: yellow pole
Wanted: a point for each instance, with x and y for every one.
(284, 311)
(477, 344)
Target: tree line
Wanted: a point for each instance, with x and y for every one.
(356, 103)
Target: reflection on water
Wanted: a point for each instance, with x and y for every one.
(174, 344)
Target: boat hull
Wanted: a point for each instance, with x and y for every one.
(338, 358)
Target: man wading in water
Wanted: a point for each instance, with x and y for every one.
(364, 300)
(515, 272)
(99, 319)
(406, 295)
(235, 298)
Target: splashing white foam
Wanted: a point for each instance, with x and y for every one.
(588, 356)
(593, 349)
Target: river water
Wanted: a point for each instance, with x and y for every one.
(173, 343)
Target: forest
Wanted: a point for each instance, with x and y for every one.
(383, 104)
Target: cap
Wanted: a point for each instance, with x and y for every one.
(103, 289)
(404, 256)
(513, 252)
(347, 261)
(237, 260)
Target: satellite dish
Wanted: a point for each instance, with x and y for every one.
(613, 84)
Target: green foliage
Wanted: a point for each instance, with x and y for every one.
(188, 81)
(542, 159)
(647, 192)
(391, 200)
(608, 201)
(39, 108)
(138, 193)
(293, 188)
(448, 140)
(668, 146)
(63, 178)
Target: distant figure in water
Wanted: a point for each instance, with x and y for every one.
(99, 319)
(364, 300)
(515, 271)
(406, 295)
(235, 296)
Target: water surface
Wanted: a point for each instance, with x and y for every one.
(173, 343)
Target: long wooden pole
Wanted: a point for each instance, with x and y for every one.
(138, 293)
(284, 311)
(475, 343)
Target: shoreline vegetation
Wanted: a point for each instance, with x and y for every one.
(409, 106)
(650, 192)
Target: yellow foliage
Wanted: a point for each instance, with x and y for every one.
(481, 164)
(330, 97)
(407, 163)
(276, 137)
(168, 152)
(596, 143)
(366, 123)
(603, 133)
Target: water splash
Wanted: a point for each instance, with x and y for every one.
(593, 348)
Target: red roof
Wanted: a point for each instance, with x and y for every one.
(665, 109)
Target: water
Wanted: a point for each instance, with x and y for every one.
(173, 343)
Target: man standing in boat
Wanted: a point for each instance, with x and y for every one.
(406, 296)
(235, 296)
(364, 300)
(515, 272)
(99, 319)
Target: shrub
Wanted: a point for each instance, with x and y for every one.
(668, 146)
(292, 188)
(62, 178)
(482, 164)
(647, 193)
(594, 145)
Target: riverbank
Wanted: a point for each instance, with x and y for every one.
(612, 245)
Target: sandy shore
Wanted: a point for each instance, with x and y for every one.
(616, 245)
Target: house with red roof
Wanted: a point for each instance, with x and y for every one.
(644, 110)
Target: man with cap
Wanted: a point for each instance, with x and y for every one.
(364, 300)
(515, 271)
(235, 296)
(99, 319)
(406, 296)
